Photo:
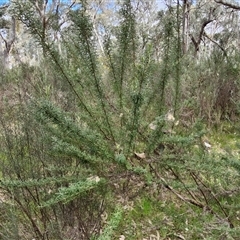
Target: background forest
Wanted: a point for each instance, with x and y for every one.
(119, 120)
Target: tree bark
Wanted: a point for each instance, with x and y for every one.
(8, 41)
(185, 24)
(196, 42)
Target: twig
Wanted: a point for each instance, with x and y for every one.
(224, 51)
(217, 201)
(195, 180)
(166, 185)
(191, 194)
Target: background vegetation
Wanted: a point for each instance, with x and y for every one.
(119, 120)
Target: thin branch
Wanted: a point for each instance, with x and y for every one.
(224, 51)
(73, 3)
(216, 199)
(195, 179)
(3, 38)
(38, 9)
(184, 199)
(9, 43)
(4, 6)
(198, 41)
(184, 185)
(230, 5)
(205, 23)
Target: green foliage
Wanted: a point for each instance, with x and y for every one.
(67, 194)
(91, 130)
(111, 225)
(65, 133)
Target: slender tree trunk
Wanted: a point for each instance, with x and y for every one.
(8, 42)
(185, 26)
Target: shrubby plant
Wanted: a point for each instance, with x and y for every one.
(91, 135)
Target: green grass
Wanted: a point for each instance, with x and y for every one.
(166, 217)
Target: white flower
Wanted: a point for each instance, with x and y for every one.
(169, 116)
(207, 145)
(153, 126)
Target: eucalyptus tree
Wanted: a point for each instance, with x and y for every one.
(47, 18)
(7, 32)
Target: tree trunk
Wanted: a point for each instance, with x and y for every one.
(185, 26)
